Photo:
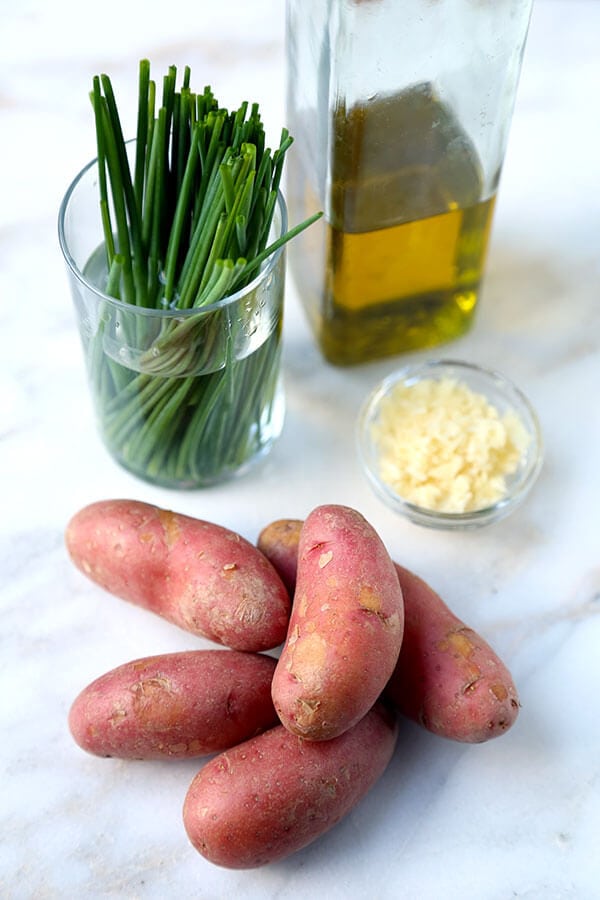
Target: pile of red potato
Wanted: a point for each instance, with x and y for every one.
(300, 738)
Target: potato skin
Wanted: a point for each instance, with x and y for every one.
(279, 542)
(447, 677)
(176, 705)
(200, 576)
(270, 796)
(346, 626)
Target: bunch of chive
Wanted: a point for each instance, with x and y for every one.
(187, 210)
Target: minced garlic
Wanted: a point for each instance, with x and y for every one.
(446, 448)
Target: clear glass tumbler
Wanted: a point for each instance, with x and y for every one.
(183, 398)
(400, 113)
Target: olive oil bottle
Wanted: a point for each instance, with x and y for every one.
(400, 116)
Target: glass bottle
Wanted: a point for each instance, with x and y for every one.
(400, 113)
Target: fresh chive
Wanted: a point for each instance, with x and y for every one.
(142, 132)
(185, 225)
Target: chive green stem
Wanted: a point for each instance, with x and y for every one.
(186, 218)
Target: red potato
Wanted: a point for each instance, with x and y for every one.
(200, 576)
(345, 630)
(448, 678)
(175, 706)
(279, 543)
(269, 797)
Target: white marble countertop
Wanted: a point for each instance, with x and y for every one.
(517, 817)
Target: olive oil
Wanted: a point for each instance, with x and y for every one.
(397, 264)
(402, 288)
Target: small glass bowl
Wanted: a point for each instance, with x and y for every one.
(501, 394)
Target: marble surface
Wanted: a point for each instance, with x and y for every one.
(517, 817)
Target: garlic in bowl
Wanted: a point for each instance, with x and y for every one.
(449, 444)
